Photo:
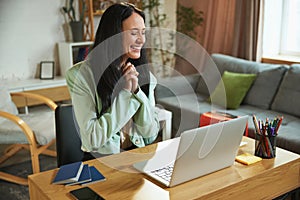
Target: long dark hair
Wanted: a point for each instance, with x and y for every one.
(107, 54)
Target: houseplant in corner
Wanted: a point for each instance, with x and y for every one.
(188, 20)
(76, 25)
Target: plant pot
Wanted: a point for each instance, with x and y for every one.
(67, 32)
(77, 31)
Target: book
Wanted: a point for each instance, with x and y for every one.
(96, 176)
(82, 54)
(84, 176)
(68, 173)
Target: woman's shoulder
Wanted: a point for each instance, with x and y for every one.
(80, 72)
(79, 69)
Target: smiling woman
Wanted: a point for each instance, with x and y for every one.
(134, 37)
(112, 91)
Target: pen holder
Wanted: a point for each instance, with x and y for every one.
(265, 145)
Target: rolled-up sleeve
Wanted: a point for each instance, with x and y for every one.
(146, 123)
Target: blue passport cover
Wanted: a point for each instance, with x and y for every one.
(84, 176)
(96, 176)
(68, 173)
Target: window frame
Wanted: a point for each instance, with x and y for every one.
(283, 49)
(274, 34)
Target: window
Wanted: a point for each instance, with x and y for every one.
(280, 28)
(290, 41)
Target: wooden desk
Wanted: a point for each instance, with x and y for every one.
(266, 179)
(55, 89)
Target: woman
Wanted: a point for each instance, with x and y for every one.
(112, 91)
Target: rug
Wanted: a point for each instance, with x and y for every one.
(19, 192)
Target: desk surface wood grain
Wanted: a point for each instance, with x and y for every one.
(266, 179)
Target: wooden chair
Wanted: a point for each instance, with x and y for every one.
(25, 131)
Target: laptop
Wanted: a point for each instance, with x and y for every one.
(197, 152)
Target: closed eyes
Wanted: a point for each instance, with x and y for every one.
(136, 32)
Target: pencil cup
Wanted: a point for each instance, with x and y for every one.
(265, 145)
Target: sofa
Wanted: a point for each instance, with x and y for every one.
(275, 91)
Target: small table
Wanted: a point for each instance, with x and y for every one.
(165, 116)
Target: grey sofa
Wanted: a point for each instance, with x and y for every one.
(275, 92)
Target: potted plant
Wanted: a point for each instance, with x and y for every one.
(188, 19)
(70, 17)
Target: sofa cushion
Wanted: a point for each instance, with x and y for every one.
(236, 86)
(176, 85)
(265, 87)
(186, 110)
(268, 75)
(289, 137)
(288, 95)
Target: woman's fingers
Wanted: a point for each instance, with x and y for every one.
(131, 77)
(131, 82)
(129, 68)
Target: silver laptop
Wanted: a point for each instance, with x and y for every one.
(195, 153)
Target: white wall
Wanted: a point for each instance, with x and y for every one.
(29, 32)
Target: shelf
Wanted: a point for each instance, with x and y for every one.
(69, 54)
(34, 84)
(75, 44)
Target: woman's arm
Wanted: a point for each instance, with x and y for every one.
(146, 123)
(98, 134)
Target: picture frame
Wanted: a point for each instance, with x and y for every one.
(47, 70)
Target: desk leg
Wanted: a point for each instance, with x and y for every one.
(166, 132)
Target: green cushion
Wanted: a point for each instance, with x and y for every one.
(236, 86)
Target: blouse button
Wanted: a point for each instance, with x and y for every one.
(137, 141)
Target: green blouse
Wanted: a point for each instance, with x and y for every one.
(102, 134)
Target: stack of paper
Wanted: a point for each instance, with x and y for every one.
(247, 159)
(77, 173)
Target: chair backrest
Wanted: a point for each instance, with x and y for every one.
(68, 142)
(6, 103)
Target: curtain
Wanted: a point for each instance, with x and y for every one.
(231, 27)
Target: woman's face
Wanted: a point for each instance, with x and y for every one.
(134, 36)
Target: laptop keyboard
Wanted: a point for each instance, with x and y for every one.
(165, 172)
